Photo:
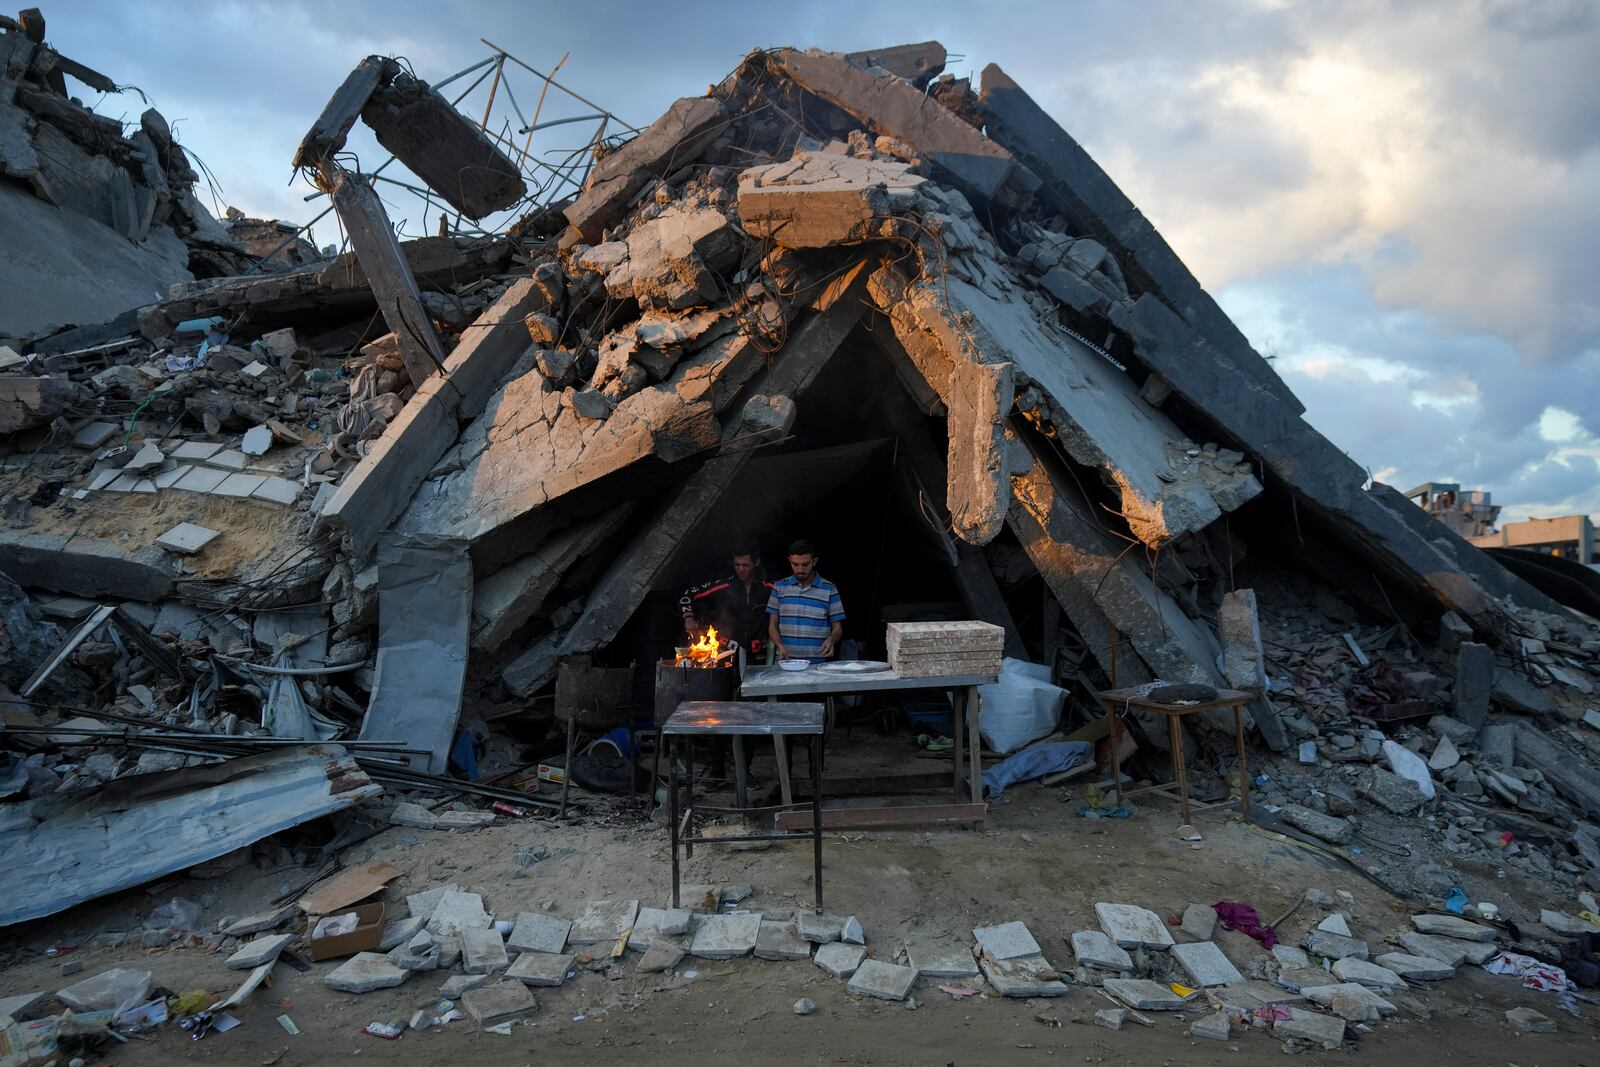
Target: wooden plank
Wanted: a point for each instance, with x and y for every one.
(388, 273)
(897, 815)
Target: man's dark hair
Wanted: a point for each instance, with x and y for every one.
(802, 547)
(747, 548)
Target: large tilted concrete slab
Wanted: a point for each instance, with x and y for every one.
(1074, 184)
(1094, 408)
(1085, 566)
(1323, 477)
(84, 566)
(672, 141)
(380, 486)
(917, 63)
(976, 165)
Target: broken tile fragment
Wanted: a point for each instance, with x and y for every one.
(886, 981)
(186, 538)
(838, 958)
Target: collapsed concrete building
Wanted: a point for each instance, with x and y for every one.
(842, 295)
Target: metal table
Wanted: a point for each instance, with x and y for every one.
(1120, 700)
(774, 683)
(739, 719)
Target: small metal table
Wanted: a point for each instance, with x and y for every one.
(1120, 700)
(737, 718)
(774, 682)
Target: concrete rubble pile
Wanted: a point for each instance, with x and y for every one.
(435, 468)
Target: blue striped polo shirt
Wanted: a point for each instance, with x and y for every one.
(805, 614)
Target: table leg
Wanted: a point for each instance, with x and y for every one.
(975, 743)
(958, 727)
(655, 775)
(816, 816)
(1175, 732)
(672, 812)
(688, 794)
(741, 773)
(780, 748)
(1244, 775)
(1116, 753)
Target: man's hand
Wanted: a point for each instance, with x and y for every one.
(782, 652)
(827, 649)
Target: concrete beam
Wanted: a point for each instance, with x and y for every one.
(918, 63)
(82, 566)
(339, 114)
(1074, 185)
(981, 396)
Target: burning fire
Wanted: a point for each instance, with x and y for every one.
(706, 650)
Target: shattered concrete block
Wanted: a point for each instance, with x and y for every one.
(27, 402)
(1474, 682)
(503, 1001)
(365, 972)
(538, 932)
(885, 981)
(482, 950)
(186, 538)
(838, 958)
(542, 968)
(819, 199)
(1133, 927)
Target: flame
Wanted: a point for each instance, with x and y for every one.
(704, 652)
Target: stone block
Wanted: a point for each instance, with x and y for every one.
(457, 911)
(1364, 973)
(399, 932)
(262, 950)
(1095, 949)
(820, 929)
(1319, 1029)
(662, 955)
(604, 920)
(1415, 968)
(886, 981)
(1335, 946)
(1454, 926)
(781, 941)
(1474, 683)
(940, 961)
(458, 984)
(1199, 922)
(424, 904)
(1133, 927)
(725, 937)
(482, 950)
(1328, 827)
(1006, 941)
(1528, 1021)
(270, 919)
(542, 968)
(1023, 976)
(501, 1002)
(1111, 1018)
(365, 972)
(537, 932)
(838, 958)
(1205, 964)
(1142, 994)
(1325, 994)
(1289, 957)
(1215, 1027)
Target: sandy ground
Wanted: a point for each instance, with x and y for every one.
(1034, 860)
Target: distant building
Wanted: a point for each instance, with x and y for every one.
(1569, 536)
(1469, 514)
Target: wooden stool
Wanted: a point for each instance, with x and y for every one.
(1120, 700)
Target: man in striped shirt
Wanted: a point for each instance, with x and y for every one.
(805, 617)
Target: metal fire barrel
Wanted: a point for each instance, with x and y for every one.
(675, 684)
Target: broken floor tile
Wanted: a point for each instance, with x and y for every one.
(1132, 926)
(501, 1002)
(542, 968)
(820, 929)
(1143, 994)
(725, 937)
(538, 932)
(1095, 949)
(1205, 964)
(229, 459)
(941, 961)
(186, 538)
(1319, 1029)
(605, 920)
(1006, 941)
(458, 984)
(886, 981)
(1453, 926)
(195, 451)
(457, 911)
(781, 941)
(365, 972)
(262, 950)
(1415, 968)
(838, 958)
(1023, 976)
(423, 904)
(701, 898)
(662, 955)
(1199, 922)
(482, 950)
(168, 478)
(239, 485)
(201, 480)
(278, 490)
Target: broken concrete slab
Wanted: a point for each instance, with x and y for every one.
(1364, 973)
(1335, 946)
(1204, 962)
(261, 950)
(1449, 951)
(1415, 968)
(23, 1006)
(1006, 941)
(538, 932)
(482, 950)
(1095, 949)
(504, 1001)
(422, 905)
(458, 984)
(674, 140)
(457, 910)
(400, 931)
(1325, 993)
(1319, 1029)
(1142, 994)
(1575, 780)
(819, 199)
(940, 961)
(1022, 976)
(1111, 1018)
(885, 981)
(725, 937)
(607, 920)
(504, 601)
(1216, 1027)
(327, 135)
(838, 958)
(542, 968)
(1529, 1021)
(270, 919)
(186, 538)
(365, 972)
(1474, 682)
(917, 63)
(1131, 926)
(662, 955)
(1454, 926)
(28, 402)
(780, 941)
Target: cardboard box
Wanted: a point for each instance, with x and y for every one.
(550, 772)
(364, 938)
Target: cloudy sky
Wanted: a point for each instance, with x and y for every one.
(1398, 202)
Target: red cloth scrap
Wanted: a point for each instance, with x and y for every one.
(1243, 918)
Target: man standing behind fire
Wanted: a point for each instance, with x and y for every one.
(805, 615)
(736, 605)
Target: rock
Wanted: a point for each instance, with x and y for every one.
(1324, 1030)
(1388, 790)
(1006, 941)
(365, 972)
(1205, 964)
(1474, 682)
(1132, 927)
(1095, 949)
(1528, 1021)
(1444, 755)
(544, 968)
(886, 981)
(1334, 946)
(1199, 922)
(1216, 1027)
(1364, 973)
(1453, 926)
(1415, 968)
(501, 1002)
(804, 1006)
(1329, 828)
(1111, 1018)
(839, 959)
